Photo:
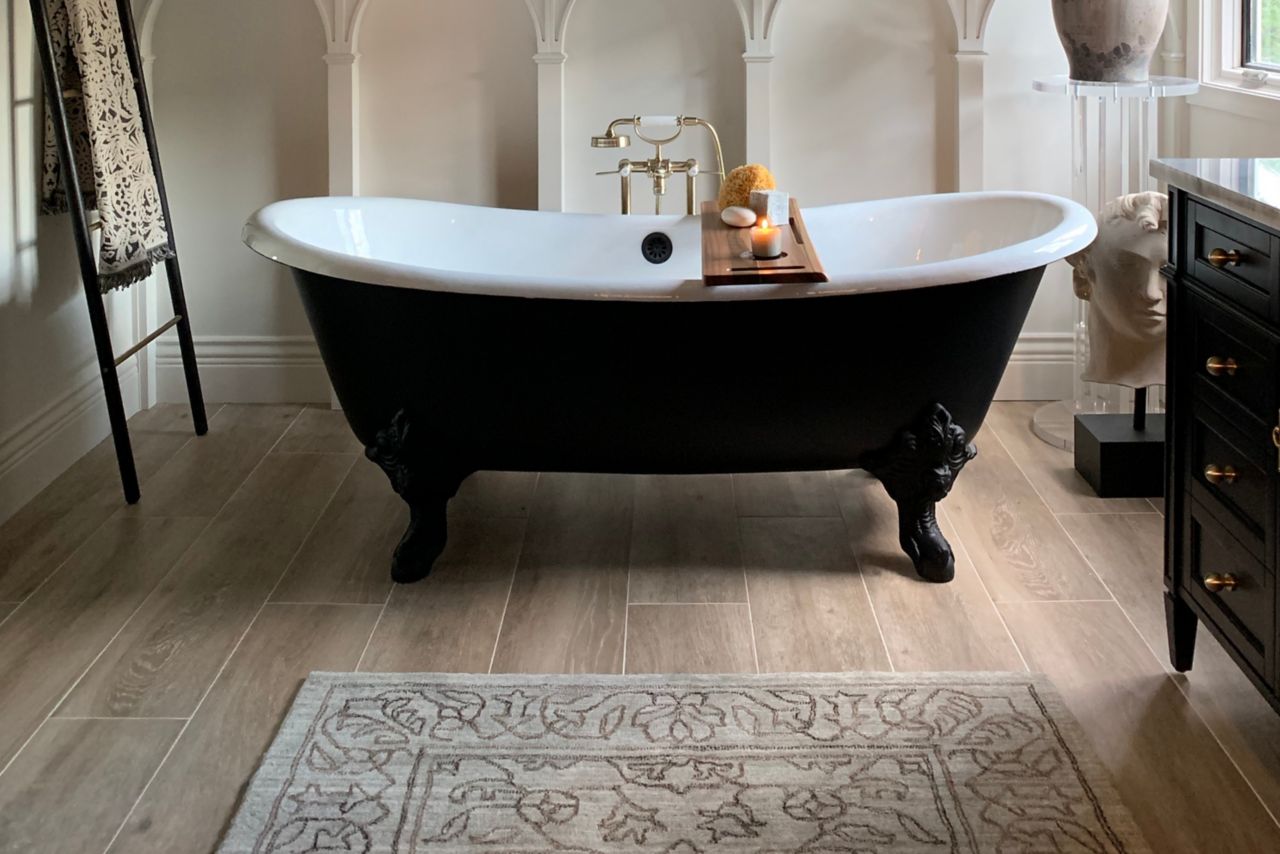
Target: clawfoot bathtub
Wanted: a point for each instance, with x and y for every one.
(460, 339)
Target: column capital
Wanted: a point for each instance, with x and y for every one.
(971, 17)
(342, 19)
(550, 21)
(759, 25)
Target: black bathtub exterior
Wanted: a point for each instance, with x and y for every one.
(440, 385)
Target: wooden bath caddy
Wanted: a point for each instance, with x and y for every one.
(727, 260)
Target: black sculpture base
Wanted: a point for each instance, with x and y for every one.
(918, 471)
(1118, 460)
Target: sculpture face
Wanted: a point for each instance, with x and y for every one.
(1120, 277)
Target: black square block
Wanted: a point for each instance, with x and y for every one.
(1118, 461)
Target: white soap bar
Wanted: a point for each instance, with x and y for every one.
(738, 217)
(774, 204)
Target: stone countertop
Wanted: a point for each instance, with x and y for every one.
(1250, 186)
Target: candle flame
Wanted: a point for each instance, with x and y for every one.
(763, 223)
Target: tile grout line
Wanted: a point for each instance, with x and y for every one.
(626, 602)
(866, 588)
(373, 631)
(524, 536)
(190, 438)
(222, 668)
(1187, 698)
(995, 606)
(746, 582)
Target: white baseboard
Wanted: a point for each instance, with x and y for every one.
(264, 369)
(246, 369)
(1042, 368)
(43, 447)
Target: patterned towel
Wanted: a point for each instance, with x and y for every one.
(111, 151)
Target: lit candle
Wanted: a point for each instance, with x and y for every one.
(766, 240)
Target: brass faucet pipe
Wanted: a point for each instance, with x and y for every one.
(715, 138)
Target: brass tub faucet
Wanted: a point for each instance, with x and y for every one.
(658, 168)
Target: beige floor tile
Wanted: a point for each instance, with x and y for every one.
(200, 478)
(319, 430)
(450, 621)
(787, 494)
(1051, 470)
(347, 558)
(495, 493)
(927, 627)
(1012, 538)
(689, 639)
(164, 659)
(684, 541)
(1162, 758)
(43, 533)
(50, 640)
(193, 797)
(568, 603)
(76, 781)
(809, 605)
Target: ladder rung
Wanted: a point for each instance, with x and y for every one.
(71, 93)
(124, 357)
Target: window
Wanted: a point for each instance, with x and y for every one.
(1261, 30)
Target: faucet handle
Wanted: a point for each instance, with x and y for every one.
(624, 169)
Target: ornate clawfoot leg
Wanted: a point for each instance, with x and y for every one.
(1181, 624)
(426, 488)
(918, 471)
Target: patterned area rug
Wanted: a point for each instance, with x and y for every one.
(863, 762)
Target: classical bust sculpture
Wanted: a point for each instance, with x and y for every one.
(1119, 276)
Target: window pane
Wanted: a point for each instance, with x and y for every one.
(1265, 32)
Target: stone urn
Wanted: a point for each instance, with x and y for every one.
(1111, 41)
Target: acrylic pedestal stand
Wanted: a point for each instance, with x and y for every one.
(1114, 129)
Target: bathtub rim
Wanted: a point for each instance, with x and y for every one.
(1077, 229)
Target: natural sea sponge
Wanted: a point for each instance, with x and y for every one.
(736, 191)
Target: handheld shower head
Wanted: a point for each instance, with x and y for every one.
(611, 140)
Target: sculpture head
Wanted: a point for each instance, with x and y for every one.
(1120, 272)
(1119, 275)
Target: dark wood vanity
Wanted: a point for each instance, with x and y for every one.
(1223, 453)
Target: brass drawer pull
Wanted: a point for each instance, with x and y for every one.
(1225, 258)
(1216, 475)
(1217, 366)
(1221, 583)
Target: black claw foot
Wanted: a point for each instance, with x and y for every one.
(918, 471)
(426, 488)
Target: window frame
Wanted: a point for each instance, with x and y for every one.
(1216, 44)
(1247, 17)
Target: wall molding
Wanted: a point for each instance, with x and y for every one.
(1042, 368)
(550, 26)
(247, 369)
(759, 28)
(971, 18)
(35, 452)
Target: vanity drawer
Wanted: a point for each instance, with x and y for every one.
(1232, 357)
(1234, 589)
(1235, 259)
(1231, 466)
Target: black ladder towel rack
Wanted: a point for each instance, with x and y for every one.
(55, 92)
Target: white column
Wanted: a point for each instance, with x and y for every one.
(342, 20)
(759, 26)
(550, 19)
(971, 18)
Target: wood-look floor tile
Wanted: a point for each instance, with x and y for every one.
(50, 640)
(689, 639)
(6, 608)
(938, 627)
(809, 605)
(194, 795)
(347, 558)
(164, 659)
(200, 478)
(319, 430)
(75, 782)
(1128, 553)
(1181, 788)
(684, 541)
(568, 602)
(1051, 470)
(449, 622)
(44, 532)
(785, 494)
(1012, 537)
(495, 493)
